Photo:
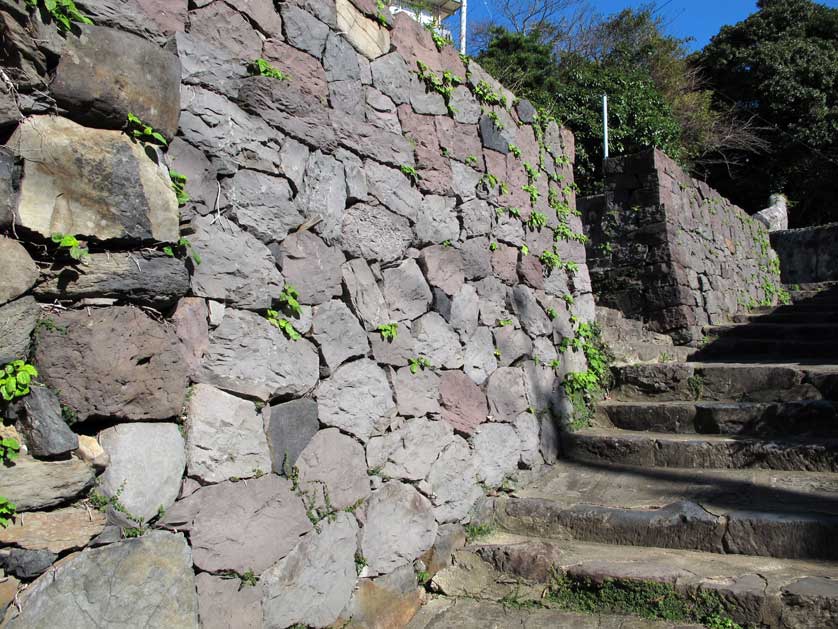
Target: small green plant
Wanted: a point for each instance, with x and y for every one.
(261, 67)
(181, 249)
(133, 531)
(552, 313)
(410, 173)
(381, 12)
(504, 322)
(276, 319)
(389, 331)
(476, 531)
(360, 563)
(532, 172)
(531, 190)
(503, 188)
(143, 132)
(288, 299)
(179, 186)
(419, 363)
(64, 12)
(569, 299)
(555, 363)
(70, 244)
(525, 250)
(696, 386)
(493, 246)
(440, 41)
(423, 578)
(15, 379)
(249, 578)
(9, 450)
(471, 160)
(537, 220)
(497, 353)
(493, 116)
(513, 148)
(513, 211)
(486, 95)
(7, 512)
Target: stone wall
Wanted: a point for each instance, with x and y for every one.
(176, 436)
(669, 250)
(808, 255)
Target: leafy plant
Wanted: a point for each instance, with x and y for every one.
(493, 116)
(419, 363)
(440, 41)
(143, 132)
(15, 379)
(486, 95)
(525, 250)
(423, 577)
(181, 249)
(552, 313)
(9, 450)
(493, 246)
(261, 67)
(71, 244)
(7, 512)
(537, 220)
(278, 321)
(380, 12)
(504, 322)
(515, 150)
(476, 531)
(410, 173)
(531, 190)
(471, 160)
(360, 563)
(389, 331)
(288, 298)
(179, 186)
(569, 299)
(443, 84)
(64, 12)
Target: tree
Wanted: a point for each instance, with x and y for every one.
(780, 65)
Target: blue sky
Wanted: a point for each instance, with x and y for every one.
(699, 19)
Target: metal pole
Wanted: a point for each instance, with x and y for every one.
(605, 123)
(463, 26)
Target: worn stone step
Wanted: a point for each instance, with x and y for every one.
(777, 382)
(814, 417)
(790, 316)
(655, 449)
(784, 332)
(767, 350)
(753, 591)
(751, 512)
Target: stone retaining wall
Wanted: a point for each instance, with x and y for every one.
(808, 255)
(669, 250)
(321, 458)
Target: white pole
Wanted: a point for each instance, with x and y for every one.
(463, 26)
(605, 123)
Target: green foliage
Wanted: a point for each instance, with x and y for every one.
(515, 150)
(504, 322)
(181, 249)
(423, 578)
(410, 173)
(696, 386)
(7, 512)
(442, 84)
(487, 96)
(278, 321)
(471, 160)
(389, 331)
(63, 12)
(440, 41)
(360, 563)
(586, 387)
(533, 192)
(419, 363)
(288, 298)
(552, 313)
(142, 132)
(9, 450)
(537, 220)
(493, 116)
(381, 12)
(70, 244)
(179, 186)
(101, 502)
(290, 307)
(493, 246)
(261, 67)
(133, 531)
(525, 250)
(15, 379)
(476, 531)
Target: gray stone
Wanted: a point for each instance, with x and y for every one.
(406, 291)
(528, 428)
(249, 356)
(396, 352)
(314, 583)
(235, 267)
(113, 362)
(479, 360)
(348, 97)
(91, 182)
(192, 328)
(147, 463)
(507, 394)
(43, 428)
(261, 204)
(224, 437)
(443, 267)
(14, 257)
(400, 526)
(497, 449)
(356, 177)
(477, 262)
(339, 334)
(264, 14)
(464, 180)
(333, 472)
(544, 389)
(294, 158)
(216, 312)
(512, 344)
(17, 321)
(27, 564)
(493, 307)
(104, 74)
(416, 394)
(437, 222)
(365, 296)
(410, 451)
(323, 194)
(32, 485)
(222, 26)
(9, 112)
(424, 100)
(9, 186)
(493, 137)
(463, 403)
(304, 31)
(532, 316)
(526, 112)
(241, 526)
(142, 582)
(393, 189)
(374, 233)
(391, 77)
(466, 108)
(340, 60)
(477, 217)
(289, 427)
(453, 481)
(438, 342)
(225, 603)
(356, 398)
(203, 63)
(465, 311)
(144, 277)
(312, 267)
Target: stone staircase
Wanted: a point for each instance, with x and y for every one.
(714, 478)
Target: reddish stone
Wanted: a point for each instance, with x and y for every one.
(464, 405)
(531, 272)
(168, 15)
(505, 263)
(414, 43)
(305, 71)
(192, 328)
(443, 268)
(433, 167)
(460, 140)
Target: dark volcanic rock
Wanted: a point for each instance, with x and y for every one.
(40, 422)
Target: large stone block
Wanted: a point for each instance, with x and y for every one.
(406, 291)
(374, 233)
(32, 485)
(410, 451)
(221, 25)
(21, 272)
(312, 267)
(333, 471)
(93, 183)
(367, 36)
(105, 74)
(339, 334)
(290, 427)
(17, 321)
(113, 362)
(261, 204)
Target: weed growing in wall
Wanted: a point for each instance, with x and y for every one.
(181, 249)
(585, 388)
(261, 67)
(71, 245)
(63, 12)
(15, 379)
(142, 132)
(7, 512)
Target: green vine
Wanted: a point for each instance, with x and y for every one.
(63, 12)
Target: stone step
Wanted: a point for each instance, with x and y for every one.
(655, 449)
(768, 350)
(790, 316)
(813, 417)
(809, 332)
(779, 382)
(751, 512)
(752, 591)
